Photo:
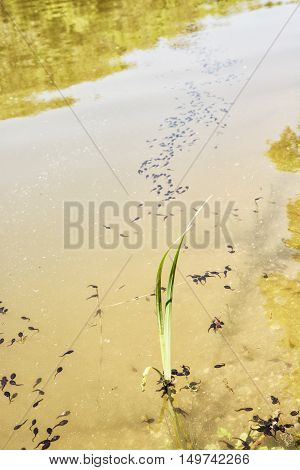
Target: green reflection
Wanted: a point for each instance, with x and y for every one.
(293, 211)
(285, 152)
(83, 40)
(282, 294)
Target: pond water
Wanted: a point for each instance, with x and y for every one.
(91, 94)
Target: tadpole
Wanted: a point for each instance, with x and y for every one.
(37, 382)
(18, 426)
(67, 353)
(58, 371)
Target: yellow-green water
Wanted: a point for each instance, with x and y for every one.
(126, 67)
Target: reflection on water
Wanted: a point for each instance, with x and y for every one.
(293, 210)
(282, 293)
(84, 40)
(285, 152)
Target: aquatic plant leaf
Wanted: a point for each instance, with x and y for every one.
(168, 307)
(145, 376)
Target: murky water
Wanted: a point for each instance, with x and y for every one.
(191, 91)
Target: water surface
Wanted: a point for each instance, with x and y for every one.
(135, 74)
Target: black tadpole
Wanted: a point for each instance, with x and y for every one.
(35, 432)
(67, 353)
(61, 423)
(245, 409)
(37, 403)
(58, 371)
(37, 382)
(32, 328)
(275, 400)
(33, 422)
(18, 426)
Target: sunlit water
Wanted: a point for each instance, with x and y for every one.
(148, 80)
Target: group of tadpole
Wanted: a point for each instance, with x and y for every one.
(21, 336)
(5, 383)
(35, 429)
(9, 382)
(168, 388)
(50, 438)
(201, 278)
(274, 427)
(180, 134)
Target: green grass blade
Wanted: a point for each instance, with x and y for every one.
(168, 312)
(160, 314)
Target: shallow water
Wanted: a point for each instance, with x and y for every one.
(148, 80)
